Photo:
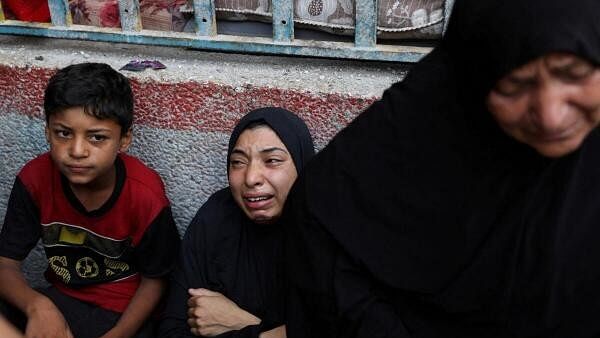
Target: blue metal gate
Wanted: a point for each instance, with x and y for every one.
(364, 47)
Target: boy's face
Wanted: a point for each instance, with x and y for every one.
(84, 147)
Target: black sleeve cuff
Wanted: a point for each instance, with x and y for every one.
(22, 229)
(159, 247)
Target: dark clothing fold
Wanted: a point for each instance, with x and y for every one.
(422, 218)
(237, 258)
(85, 320)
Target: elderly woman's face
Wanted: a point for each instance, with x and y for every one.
(551, 103)
(261, 173)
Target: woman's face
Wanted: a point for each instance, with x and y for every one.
(551, 103)
(261, 173)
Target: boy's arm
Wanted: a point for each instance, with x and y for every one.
(20, 233)
(43, 317)
(139, 309)
(155, 256)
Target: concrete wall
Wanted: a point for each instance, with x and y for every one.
(183, 114)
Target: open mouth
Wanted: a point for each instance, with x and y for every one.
(257, 202)
(257, 199)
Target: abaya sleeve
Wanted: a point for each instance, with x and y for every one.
(190, 271)
(365, 313)
(195, 270)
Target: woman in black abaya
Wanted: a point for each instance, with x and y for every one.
(464, 203)
(230, 277)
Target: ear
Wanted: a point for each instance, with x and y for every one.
(47, 133)
(126, 140)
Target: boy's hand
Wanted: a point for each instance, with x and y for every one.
(210, 314)
(44, 320)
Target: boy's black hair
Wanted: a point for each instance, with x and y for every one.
(100, 90)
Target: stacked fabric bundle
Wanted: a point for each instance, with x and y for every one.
(395, 18)
(27, 10)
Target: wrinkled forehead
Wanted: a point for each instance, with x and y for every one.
(253, 126)
(260, 128)
(494, 37)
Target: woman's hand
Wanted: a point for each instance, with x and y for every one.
(278, 332)
(210, 314)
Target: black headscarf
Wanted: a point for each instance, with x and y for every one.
(224, 251)
(292, 131)
(452, 227)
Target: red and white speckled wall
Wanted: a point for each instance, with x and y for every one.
(177, 119)
(184, 114)
(193, 106)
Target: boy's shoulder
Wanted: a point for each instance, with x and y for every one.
(37, 174)
(141, 177)
(37, 171)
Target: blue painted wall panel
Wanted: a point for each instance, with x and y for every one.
(59, 12)
(204, 14)
(365, 46)
(365, 32)
(283, 20)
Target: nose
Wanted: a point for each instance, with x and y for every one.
(550, 108)
(254, 174)
(78, 148)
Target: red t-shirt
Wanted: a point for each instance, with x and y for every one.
(94, 256)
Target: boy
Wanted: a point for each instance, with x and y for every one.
(103, 217)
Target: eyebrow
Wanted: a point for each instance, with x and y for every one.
(58, 124)
(569, 67)
(272, 149)
(262, 151)
(98, 130)
(238, 151)
(562, 67)
(521, 79)
(560, 62)
(89, 131)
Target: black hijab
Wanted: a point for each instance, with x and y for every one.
(292, 131)
(224, 251)
(454, 223)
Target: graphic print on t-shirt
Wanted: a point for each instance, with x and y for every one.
(78, 256)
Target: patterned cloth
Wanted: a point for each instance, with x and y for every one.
(395, 17)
